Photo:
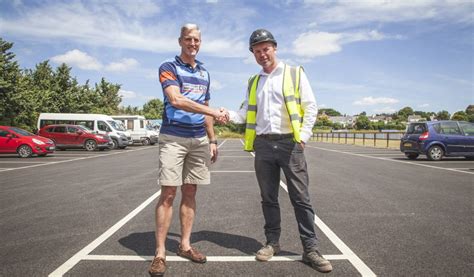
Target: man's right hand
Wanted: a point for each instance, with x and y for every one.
(222, 116)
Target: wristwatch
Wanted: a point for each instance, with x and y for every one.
(213, 141)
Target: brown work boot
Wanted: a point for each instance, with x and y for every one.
(317, 261)
(192, 254)
(157, 267)
(266, 253)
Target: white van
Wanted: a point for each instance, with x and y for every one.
(138, 128)
(101, 123)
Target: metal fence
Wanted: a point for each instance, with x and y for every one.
(375, 139)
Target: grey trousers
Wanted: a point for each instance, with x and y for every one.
(285, 154)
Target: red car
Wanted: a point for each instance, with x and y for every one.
(16, 140)
(75, 136)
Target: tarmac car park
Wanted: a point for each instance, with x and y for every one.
(377, 213)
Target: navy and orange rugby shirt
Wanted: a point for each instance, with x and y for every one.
(193, 84)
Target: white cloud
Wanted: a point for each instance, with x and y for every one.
(122, 25)
(312, 44)
(385, 110)
(84, 61)
(359, 12)
(123, 65)
(369, 101)
(216, 85)
(127, 94)
(78, 58)
(138, 8)
(423, 105)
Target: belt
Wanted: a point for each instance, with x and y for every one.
(275, 136)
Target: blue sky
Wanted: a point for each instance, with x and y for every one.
(361, 55)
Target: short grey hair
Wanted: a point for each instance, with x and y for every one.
(188, 27)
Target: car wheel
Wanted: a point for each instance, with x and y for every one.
(25, 151)
(435, 153)
(114, 144)
(123, 147)
(411, 156)
(90, 145)
(146, 141)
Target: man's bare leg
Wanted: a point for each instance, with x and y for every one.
(187, 210)
(164, 213)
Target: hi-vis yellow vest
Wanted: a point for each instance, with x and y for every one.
(291, 94)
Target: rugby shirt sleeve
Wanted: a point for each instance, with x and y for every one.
(167, 74)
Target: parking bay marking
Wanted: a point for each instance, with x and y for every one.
(388, 159)
(81, 158)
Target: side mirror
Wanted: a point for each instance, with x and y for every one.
(9, 136)
(79, 132)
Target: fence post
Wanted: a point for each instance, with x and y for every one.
(375, 139)
(388, 139)
(345, 142)
(363, 139)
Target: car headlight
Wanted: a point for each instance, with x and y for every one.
(99, 137)
(37, 141)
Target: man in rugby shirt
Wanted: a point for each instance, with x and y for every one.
(187, 144)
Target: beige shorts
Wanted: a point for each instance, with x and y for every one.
(183, 161)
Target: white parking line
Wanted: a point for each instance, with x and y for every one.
(209, 258)
(72, 160)
(82, 254)
(347, 253)
(235, 156)
(389, 159)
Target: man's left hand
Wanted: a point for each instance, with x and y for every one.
(213, 148)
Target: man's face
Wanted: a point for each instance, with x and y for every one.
(265, 54)
(190, 43)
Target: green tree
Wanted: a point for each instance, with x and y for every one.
(10, 75)
(403, 113)
(443, 115)
(362, 123)
(108, 98)
(153, 109)
(460, 115)
(470, 113)
(329, 112)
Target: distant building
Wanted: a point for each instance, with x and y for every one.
(377, 118)
(345, 121)
(414, 118)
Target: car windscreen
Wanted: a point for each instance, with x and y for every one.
(416, 128)
(21, 132)
(116, 125)
(85, 129)
(468, 128)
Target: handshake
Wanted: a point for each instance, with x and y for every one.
(221, 115)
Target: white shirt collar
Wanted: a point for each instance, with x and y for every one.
(278, 67)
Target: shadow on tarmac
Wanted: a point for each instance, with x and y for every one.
(144, 243)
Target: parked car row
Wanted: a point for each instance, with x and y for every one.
(67, 131)
(67, 136)
(16, 140)
(437, 139)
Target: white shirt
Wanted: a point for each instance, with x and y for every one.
(272, 115)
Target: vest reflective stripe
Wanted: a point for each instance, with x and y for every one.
(291, 95)
(251, 113)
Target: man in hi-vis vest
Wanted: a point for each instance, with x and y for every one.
(280, 111)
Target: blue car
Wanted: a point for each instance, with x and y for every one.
(437, 139)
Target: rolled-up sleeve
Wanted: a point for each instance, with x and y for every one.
(309, 106)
